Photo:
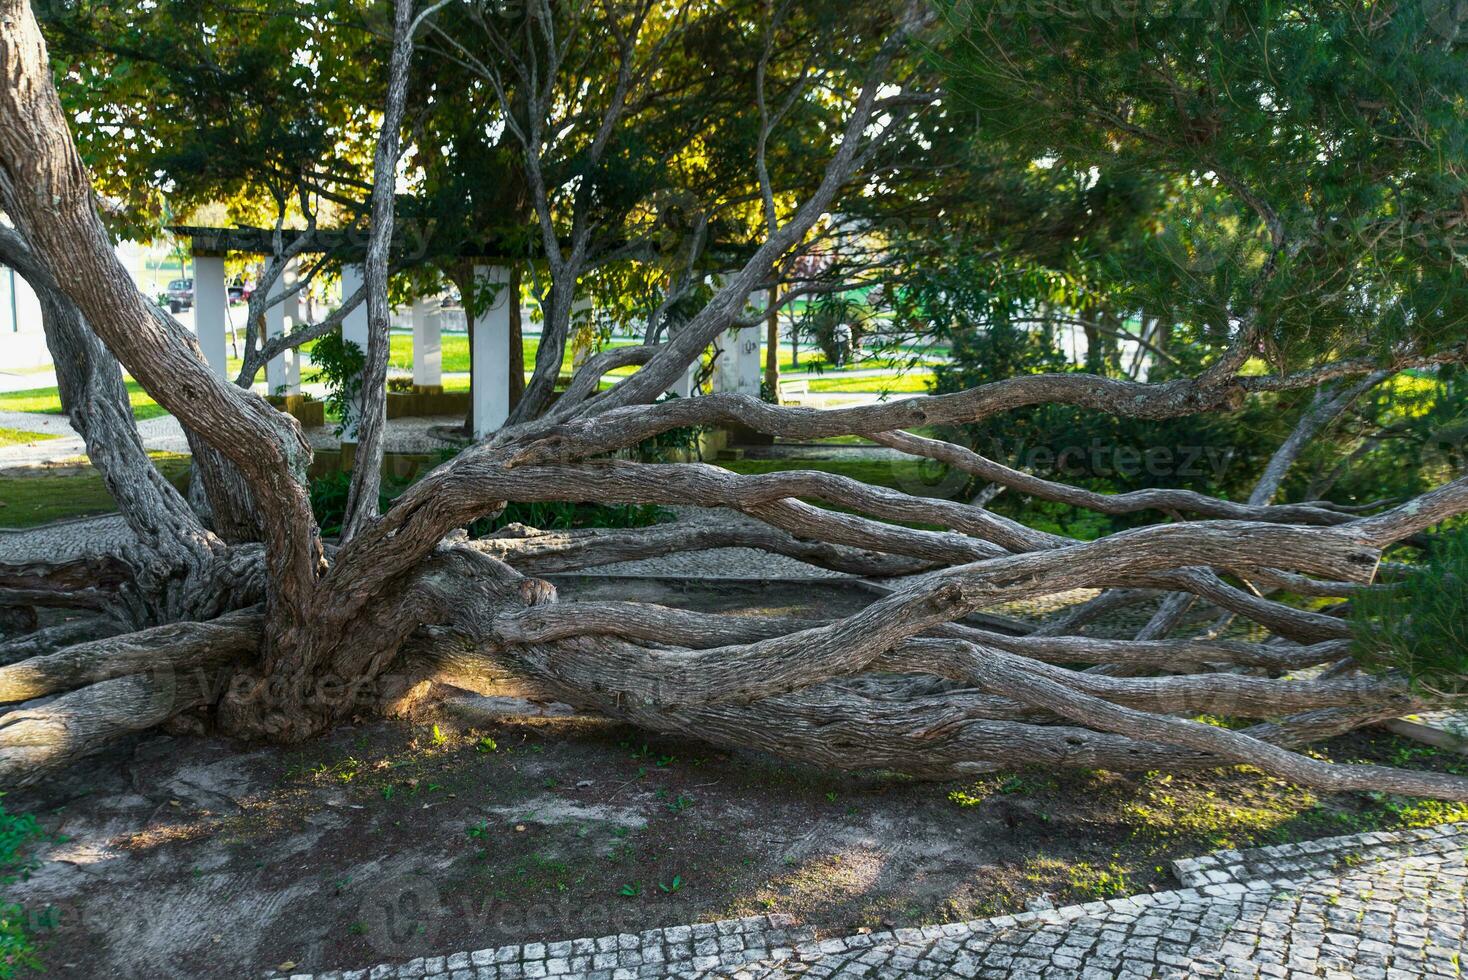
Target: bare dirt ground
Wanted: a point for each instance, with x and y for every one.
(200, 857)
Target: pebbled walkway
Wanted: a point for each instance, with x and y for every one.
(1371, 907)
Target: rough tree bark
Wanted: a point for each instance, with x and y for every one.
(295, 635)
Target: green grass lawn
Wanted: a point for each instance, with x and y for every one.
(454, 348)
(18, 437)
(913, 383)
(31, 500)
(48, 401)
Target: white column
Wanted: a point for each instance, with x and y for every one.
(738, 367)
(211, 307)
(427, 343)
(275, 379)
(354, 330)
(489, 384)
(293, 308)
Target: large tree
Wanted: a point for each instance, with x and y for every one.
(282, 637)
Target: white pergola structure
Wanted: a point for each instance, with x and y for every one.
(490, 331)
(739, 366)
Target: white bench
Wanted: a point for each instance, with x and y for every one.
(794, 392)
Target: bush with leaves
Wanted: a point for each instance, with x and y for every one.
(339, 364)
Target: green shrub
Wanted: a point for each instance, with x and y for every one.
(339, 364)
(18, 832)
(1419, 624)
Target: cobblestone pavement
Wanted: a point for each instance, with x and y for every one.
(1388, 906)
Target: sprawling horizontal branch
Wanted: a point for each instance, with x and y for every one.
(848, 646)
(1222, 694)
(534, 552)
(1022, 681)
(620, 427)
(173, 647)
(619, 481)
(867, 722)
(1160, 499)
(95, 572)
(664, 625)
(35, 740)
(52, 638)
(1300, 625)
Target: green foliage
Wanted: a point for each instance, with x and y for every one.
(17, 949)
(1418, 624)
(674, 445)
(339, 364)
(821, 320)
(220, 101)
(18, 833)
(1284, 162)
(1403, 438)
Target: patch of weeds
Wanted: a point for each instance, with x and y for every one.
(1089, 881)
(1413, 813)
(1168, 808)
(1014, 784)
(542, 873)
(670, 887)
(630, 890)
(486, 744)
(680, 804)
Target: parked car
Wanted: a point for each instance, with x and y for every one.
(179, 295)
